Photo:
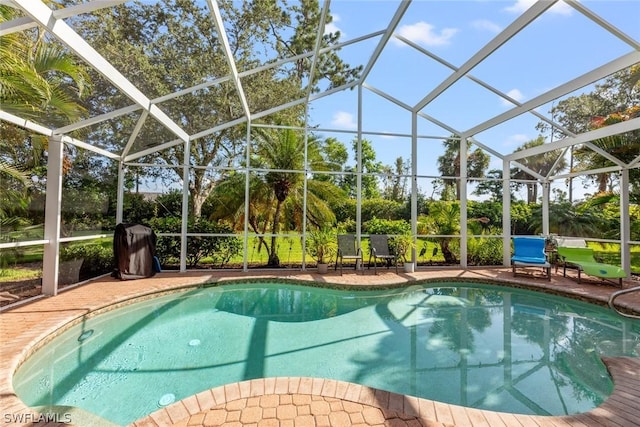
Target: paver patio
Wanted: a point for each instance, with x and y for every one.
(300, 401)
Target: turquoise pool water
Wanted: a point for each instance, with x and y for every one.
(480, 346)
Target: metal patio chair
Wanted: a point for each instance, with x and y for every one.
(379, 248)
(348, 249)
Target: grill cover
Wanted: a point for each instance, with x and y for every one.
(134, 249)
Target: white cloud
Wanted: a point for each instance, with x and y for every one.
(515, 94)
(486, 25)
(426, 34)
(343, 119)
(332, 27)
(516, 140)
(560, 8)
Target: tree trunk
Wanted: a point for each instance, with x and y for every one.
(449, 257)
(274, 260)
(198, 202)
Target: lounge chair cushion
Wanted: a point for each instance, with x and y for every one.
(584, 260)
(529, 252)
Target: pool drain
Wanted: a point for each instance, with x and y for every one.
(167, 399)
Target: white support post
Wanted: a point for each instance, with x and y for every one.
(185, 207)
(545, 207)
(462, 185)
(120, 196)
(625, 222)
(305, 189)
(414, 183)
(506, 213)
(53, 217)
(359, 170)
(247, 198)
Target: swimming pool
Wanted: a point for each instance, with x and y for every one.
(481, 346)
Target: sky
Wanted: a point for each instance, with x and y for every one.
(560, 45)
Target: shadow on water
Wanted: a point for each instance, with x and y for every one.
(444, 355)
(90, 362)
(427, 332)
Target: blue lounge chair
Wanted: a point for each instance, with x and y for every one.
(529, 252)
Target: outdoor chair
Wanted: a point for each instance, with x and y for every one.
(379, 248)
(529, 252)
(348, 249)
(583, 260)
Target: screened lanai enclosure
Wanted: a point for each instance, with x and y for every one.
(242, 132)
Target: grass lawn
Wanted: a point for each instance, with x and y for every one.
(26, 263)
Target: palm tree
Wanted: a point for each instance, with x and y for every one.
(277, 191)
(623, 146)
(449, 165)
(568, 219)
(38, 81)
(444, 220)
(541, 163)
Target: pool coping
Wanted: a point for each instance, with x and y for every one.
(73, 305)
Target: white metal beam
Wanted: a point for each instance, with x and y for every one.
(152, 150)
(97, 119)
(44, 16)
(52, 217)
(136, 130)
(89, 147)
(480, 82)
(439, 123)
(580, 7)
(222, 37)
(387, 96)
(314, 61)
(613, 129)
(566, 88)
(24, 123)
(25, 22)
(516, 26)
(402, 8)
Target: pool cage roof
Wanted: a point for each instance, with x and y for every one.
(431, 78)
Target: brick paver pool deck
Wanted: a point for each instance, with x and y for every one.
(298, 402)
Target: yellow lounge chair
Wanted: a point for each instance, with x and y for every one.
(583, 260)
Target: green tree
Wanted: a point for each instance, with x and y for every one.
(304, 19)
(395, 180)
(335, 155)
(443, 219)
(370, 169)
(568, 219)
(616, 98)
(171, 45)
(541, 163)
(492, 186)
(277, 194)
(449, 165)
(41, 81)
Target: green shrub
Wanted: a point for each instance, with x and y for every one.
(97, 259)
(220, 249)
(484, 251)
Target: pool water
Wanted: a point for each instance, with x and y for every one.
(479, 346)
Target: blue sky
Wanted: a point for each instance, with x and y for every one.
(560, 45)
